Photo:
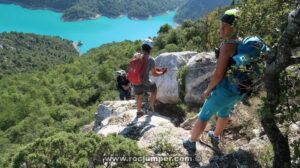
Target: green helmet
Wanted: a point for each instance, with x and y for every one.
(230, 16)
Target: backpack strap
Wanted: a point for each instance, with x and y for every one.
(231, 41)
(231, 61)
(145, 62)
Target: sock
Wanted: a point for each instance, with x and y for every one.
(216, 136)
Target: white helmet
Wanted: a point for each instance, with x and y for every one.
(148, 42)
(120, 73)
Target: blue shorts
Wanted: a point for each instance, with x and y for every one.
(220, 101)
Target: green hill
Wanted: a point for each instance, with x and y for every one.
(57, 5)
(62, 99)
(21, 53)
(86, 9)
(195, 9)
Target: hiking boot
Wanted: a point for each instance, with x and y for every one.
(140, 113)
(151, 109)
(189, 146)
(213, 139)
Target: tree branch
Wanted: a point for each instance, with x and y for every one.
(284, 49)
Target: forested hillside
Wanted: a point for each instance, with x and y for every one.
(195, 9)
(49, 103)
(21, 53)
(58, 100)
(86, 9)
(58, 5)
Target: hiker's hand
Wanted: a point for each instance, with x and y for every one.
(138, 55)
(206, 93)
(157, 69)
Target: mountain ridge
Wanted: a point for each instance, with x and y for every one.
(195, 9)
(26, 52)
(75, 10)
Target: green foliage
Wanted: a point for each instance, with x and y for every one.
(76, 150)
(262, 18)
(86, 9)
(296, 157)
(200, 36)
(191, 114)
(164, 29)
(288, 109)
(181, 75)
(195, 9)
(266, 19)
(265, 156)
(58, 5)
(43, 103)
(23, 53)
(162, 147)
(78, 12)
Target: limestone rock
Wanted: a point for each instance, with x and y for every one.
(189, 123)
(295, 128)
(201, 67)
(168, 89)
(108, 109)
(148, 130)
(240, 158)
(154, 132)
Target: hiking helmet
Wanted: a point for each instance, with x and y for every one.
(148, 42)
(120, 73)
(230, 16)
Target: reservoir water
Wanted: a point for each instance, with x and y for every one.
(92, 33)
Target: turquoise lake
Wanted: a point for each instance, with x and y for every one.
(92, 33)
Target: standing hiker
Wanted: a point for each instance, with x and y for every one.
(138, 74)
(220, 95)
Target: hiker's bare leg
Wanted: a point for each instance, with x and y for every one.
(198, 129)
(221, 125)
(153, 98)
(139, 100)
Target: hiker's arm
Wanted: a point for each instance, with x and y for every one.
(156, 73)
(227, 50)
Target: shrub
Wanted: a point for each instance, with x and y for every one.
(77, 150)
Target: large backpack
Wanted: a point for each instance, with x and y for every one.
(120, 76)
(247, 65)
(137, 69)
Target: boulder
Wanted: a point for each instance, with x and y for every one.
(240, 158)
(295, 128)
(108, 109)
(201, 67)
(168, 88)
(199, 72)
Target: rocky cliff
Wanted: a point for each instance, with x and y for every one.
(243, 143)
